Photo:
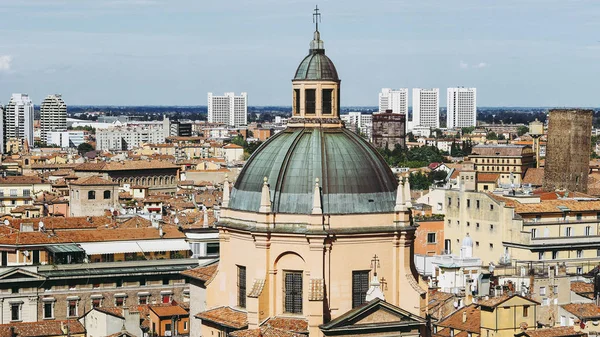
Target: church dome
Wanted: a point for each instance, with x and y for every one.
(316, 66)
(353, 177)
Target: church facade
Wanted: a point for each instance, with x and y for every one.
(316, 234)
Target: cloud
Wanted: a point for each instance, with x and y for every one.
(5, 62)
(465, 65)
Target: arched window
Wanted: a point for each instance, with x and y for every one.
(155, 181)
(91, 195)
(107, 194)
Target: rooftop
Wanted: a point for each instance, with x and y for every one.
(41, 328)
(583, 310)
(225, 316)
(455, 320)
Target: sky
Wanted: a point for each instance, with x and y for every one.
(173, 52)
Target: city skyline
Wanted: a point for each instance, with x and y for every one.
(145, 57)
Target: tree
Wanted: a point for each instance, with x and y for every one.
(411, 137)
(467, 130)
(84, 148)
(418, 181)
(521, 130)
(492, 136)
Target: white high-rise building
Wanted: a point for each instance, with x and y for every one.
(18, 118)
(53, 116)
(462, 107)
(228, 109)
(426, 107)
(359, 123)
(394, 99)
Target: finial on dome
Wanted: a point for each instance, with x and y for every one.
(265, 198)
(317, 207)
(316, 18)
(316, 44)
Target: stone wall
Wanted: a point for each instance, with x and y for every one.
(568, 150)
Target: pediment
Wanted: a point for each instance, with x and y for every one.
(21, 275)
(375, 314)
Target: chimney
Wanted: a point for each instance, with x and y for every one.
(64, 328)
(12, 332)
(464, 316)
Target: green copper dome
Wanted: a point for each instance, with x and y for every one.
(316, 66)
(353, 177)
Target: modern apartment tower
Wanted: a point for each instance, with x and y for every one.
(568, 150)
(426, 107)
(393, 99)
(18, 119)
(462, 107)
(53, 116)
(228, 109)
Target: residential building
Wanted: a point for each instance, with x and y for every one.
(228, 109)
(48, 328)
(359, 122)
(154, 174)
(525, 227)
(394, 99)
(110, 320)
(198, 279)
(511, 161)
(92, 196)
(18, 119)
(499, 316)
(16, 191)
(582, 316)
(426, 107)
(389, 130)
(65, 139)
(172, 320)
(127, 138)
(567, 154)
(53, 116)
(461, 107)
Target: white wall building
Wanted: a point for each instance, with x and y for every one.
(53, 116)
(359, 122)
(65, 139)
(228, 109)
(394, 99)
(426, 107)
(462, 107)
(18, 118)
(129, 138)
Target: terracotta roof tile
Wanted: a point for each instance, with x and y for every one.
(487, 177)
(93, 181)
(493, 301)
(579, 287)
(225, 316)
(534, 176)
(288, 324)
(583, 310)
(115, 311)
(266, 331)
(455, 320)
(551, 206)
(41, 328)
(19, 180)
(170, 311)
(559, 331)
(501, 150)
(202, 273)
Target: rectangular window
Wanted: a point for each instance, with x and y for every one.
(588, 231)
(431, 238)
(48, 310)
(555, 255)
(579, 216)
(212, 249)
(450, 204)
(96, 302)
(168, 327)
(166, 298)
(525, 311)
(119, 301)
(241, 284)
(579, 270)
(540, 255)
(143, 300)
(568, 231)
(542, 291)
(533, 233)
(15, 312)
(310, 102)
(293, 292)
(477, 204)
(580, 253)
(72, 308)
(555, 290)
(185, 326)
(326, 101)
(491, 207)
(468, 203)
(360, 286)
(296, 101)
